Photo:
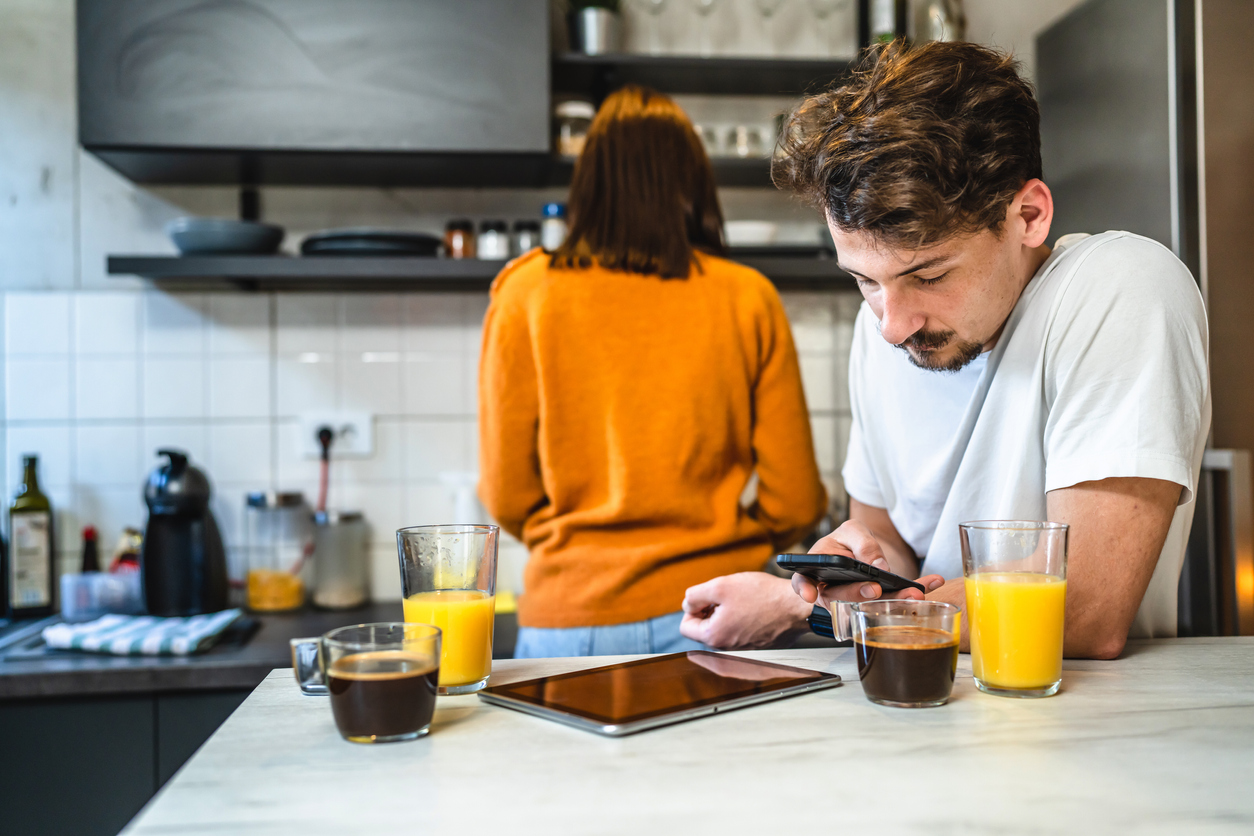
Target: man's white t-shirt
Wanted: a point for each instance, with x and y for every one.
(1100, 372)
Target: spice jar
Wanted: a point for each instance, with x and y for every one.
(493, 242)
(341, 560)
(526, 236)
(553, 227)
(459, 239)
(279, 541)
(573, 119)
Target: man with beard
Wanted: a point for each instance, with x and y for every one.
(991, 376)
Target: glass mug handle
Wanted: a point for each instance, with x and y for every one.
(842, 621)
(307, 666)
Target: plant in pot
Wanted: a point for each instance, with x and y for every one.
(595, 26)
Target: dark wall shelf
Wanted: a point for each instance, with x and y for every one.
(338, 273)
(595, 75)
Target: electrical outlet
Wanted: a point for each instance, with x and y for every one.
(353, 439)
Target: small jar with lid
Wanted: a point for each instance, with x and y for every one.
(526, 236)
(573, 119)
(279, 542)
(553, 227)
(493, 242)
(459, 239)
(341, 560)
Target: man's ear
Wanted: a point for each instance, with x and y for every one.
(1034, 206)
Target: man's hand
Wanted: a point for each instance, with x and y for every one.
(745, 610)
(855, 540)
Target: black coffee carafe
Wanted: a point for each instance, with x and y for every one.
(182, 560)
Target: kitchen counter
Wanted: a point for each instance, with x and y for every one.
(27, 670)
(1160, 740)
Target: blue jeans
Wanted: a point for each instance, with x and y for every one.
(655, 635)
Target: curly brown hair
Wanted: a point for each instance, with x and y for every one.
(923, 143)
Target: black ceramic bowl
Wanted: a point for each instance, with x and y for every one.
(222, 236)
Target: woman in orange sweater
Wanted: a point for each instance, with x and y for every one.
(631, 385)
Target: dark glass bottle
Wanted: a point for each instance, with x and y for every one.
(91, 552)
(30, 571)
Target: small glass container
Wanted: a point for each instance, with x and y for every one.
(573, 119)
(279, 541)
(526, 236)
(459, 239)
(493, 242)
(341, 560)
(553, 227)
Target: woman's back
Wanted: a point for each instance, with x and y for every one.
(622, 417)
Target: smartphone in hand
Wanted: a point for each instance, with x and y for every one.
(835, 569)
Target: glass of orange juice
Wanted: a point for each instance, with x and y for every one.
(1016, 583)
(448, 578)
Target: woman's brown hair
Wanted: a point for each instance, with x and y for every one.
(923, 143)
(642, 197)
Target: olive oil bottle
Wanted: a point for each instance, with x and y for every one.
(29, 574)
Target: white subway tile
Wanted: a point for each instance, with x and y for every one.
(428, 505)
(51, 443)
(305, 383)
(37, 389)
(191, 439)
(435, 322)
(174, 387)
(69, 528)
(295, 472)
(36, 323)
(306, 322)
(106, 387)
(434, 384)
(239, 323)
(823, 429)
(370, 322)
(240, 453)
(382, 505)
(387, 463)
(109, 456)
(371, 381)
(239, 387)
(433, 447)
(174, 323)
(818, 377)
(385, 575)
(106, 323)
(228, 505)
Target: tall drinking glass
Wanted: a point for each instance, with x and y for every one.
(1016, 580)
(448, 578)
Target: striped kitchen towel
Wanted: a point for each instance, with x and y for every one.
(142, 635)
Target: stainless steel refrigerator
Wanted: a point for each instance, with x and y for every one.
(1147, 125)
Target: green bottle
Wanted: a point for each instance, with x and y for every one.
(30, 572)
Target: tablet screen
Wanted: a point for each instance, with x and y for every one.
(648, 688)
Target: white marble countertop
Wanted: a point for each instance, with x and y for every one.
(1159, 741)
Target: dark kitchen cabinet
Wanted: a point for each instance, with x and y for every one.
(85, 766)
(255, 88)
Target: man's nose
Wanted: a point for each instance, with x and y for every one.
(900, 319)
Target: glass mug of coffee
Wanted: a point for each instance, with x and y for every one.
(382, 678)
(907, 651)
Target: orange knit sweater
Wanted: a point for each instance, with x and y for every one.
(621, 417)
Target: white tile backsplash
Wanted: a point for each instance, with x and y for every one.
(239, 324)
(434, 447)
(36, 323)
(370, 322)
(306, 323)
(106, 387)
(174, 323)
(239, 387)
(435, 384)
(37, 389)
(240, 452)
(174, 387)
(370, 381)
(106, 323)
(305, 383)
(108, 455)
(435, 322)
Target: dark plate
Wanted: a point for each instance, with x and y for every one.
(370, 242)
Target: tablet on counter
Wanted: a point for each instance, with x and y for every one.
(630, 697)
